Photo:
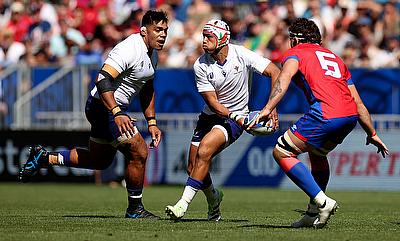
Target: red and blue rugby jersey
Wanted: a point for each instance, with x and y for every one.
(323, 77)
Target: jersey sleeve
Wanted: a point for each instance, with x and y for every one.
(347, 76)
(290, 54)
(202, 82)
(256, 61)
(120, 56)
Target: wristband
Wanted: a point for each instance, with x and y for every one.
(373, 134)
(115, 110)
(233, 116)
(152, 122)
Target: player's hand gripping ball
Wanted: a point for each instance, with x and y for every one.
(260, 129)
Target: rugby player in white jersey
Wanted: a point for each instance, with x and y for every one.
(222, 77)
(128, 71)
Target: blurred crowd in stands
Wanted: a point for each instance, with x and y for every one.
(364, 33)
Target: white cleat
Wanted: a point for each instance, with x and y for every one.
(177, 211)
(309, 217)
(214, 212)
(325, 212)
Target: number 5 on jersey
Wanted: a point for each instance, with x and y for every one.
(334, 70)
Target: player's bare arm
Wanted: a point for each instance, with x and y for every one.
(364, 118)
(210, 97)
(104, 85)
(147, 102)
(273, 71)
(278, 90)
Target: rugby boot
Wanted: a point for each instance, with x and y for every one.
(214, 212)
(329, 208)
(140, 212)
(309, 217)
(177, 211)
(38, 158)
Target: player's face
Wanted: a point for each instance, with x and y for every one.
(209, 42)
(156, 35)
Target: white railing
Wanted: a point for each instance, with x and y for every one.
(74, 119)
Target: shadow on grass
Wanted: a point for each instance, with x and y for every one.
(90, 216)
(188, 220)
(264, 226)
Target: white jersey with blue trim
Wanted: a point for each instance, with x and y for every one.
(230, 81)
(130, 58)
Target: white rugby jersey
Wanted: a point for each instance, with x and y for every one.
(135, 68)
(230, 81)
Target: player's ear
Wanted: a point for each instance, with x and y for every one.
(293, 42)
(143, 31)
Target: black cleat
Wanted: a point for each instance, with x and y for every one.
(36, 160)
(140, 212)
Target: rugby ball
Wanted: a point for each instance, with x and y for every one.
(260, 129)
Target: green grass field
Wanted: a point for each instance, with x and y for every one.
(87, 212)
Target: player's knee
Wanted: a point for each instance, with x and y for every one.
(134, 152)
(285, 148)
(203, 155)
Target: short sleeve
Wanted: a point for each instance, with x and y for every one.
(115, 60)
(256, 61)
(290, 54)
(202, 82)
(347, 76)
(123, 55)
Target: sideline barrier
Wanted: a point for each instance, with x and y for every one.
(175, 93)
(248, 162)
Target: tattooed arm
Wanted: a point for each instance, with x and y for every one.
(279, 89)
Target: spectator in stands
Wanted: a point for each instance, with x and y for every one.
(67, 42)
(11, 51)
(89, 53)
(340, 38)
(200, 11)
(350, 54)
(19, 22)
(391, 19)
(5, 14)
(175, 29)
(112, 21)
(39, 32)
(177, 54)
(238, 33)
(3, 107)
(392, 45)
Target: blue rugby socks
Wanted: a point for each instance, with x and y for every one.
(302, 177)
